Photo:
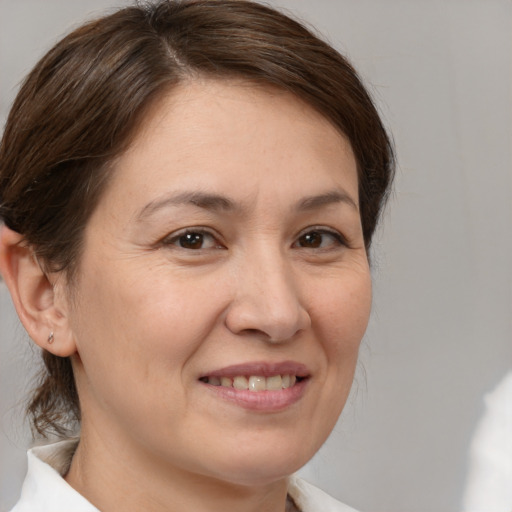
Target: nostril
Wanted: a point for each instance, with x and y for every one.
(267, 337)
(254, 332)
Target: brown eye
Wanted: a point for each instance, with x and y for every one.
(312, 240)
(320, 239)
(191, 241)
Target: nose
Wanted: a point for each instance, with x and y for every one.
(266, 301)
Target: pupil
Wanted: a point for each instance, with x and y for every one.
(191, 241)
(312, 240)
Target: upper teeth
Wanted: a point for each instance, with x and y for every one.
(254, 382)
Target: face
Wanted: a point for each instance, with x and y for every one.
(224, 287)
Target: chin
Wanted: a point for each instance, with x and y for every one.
(263, 465)
(251, 475)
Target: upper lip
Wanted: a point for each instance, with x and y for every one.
(260, 368)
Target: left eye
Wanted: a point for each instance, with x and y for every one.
(319, 239)
(193, 240)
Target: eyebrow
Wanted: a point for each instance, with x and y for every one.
(203, 200)
(217, 202)
(336, 196)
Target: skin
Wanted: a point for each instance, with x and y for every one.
(276, 276)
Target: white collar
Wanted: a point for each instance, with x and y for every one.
(44, 489)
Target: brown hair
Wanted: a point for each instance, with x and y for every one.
(81, 106)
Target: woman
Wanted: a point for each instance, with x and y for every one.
(189, 191)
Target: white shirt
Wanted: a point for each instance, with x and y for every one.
(489, 483)
(44, 489)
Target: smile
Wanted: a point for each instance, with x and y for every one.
(259, 386)
(254, 382)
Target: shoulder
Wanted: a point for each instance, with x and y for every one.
(493, 431)
(490, 454)
(309, 498)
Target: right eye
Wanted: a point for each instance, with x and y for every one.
(193, 239)
(320, 238)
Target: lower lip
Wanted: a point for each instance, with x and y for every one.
(261, 401)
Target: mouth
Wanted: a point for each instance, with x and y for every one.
(259, 386)
(254, 383)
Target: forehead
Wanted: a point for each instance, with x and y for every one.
(221, 104)
(234, 134)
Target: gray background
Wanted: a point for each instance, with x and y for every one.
(441, 331)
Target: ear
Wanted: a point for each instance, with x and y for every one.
(40, 301)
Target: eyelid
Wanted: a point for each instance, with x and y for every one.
(172, 238)
(338, 235)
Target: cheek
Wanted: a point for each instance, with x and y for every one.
(342, 311)
(141, 320)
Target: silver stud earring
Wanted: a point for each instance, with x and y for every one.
(50, 338)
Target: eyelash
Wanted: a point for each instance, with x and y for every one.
(174, 238)
(320, 230)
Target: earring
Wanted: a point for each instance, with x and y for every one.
(50, 338)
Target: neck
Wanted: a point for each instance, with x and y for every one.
(113, 475)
